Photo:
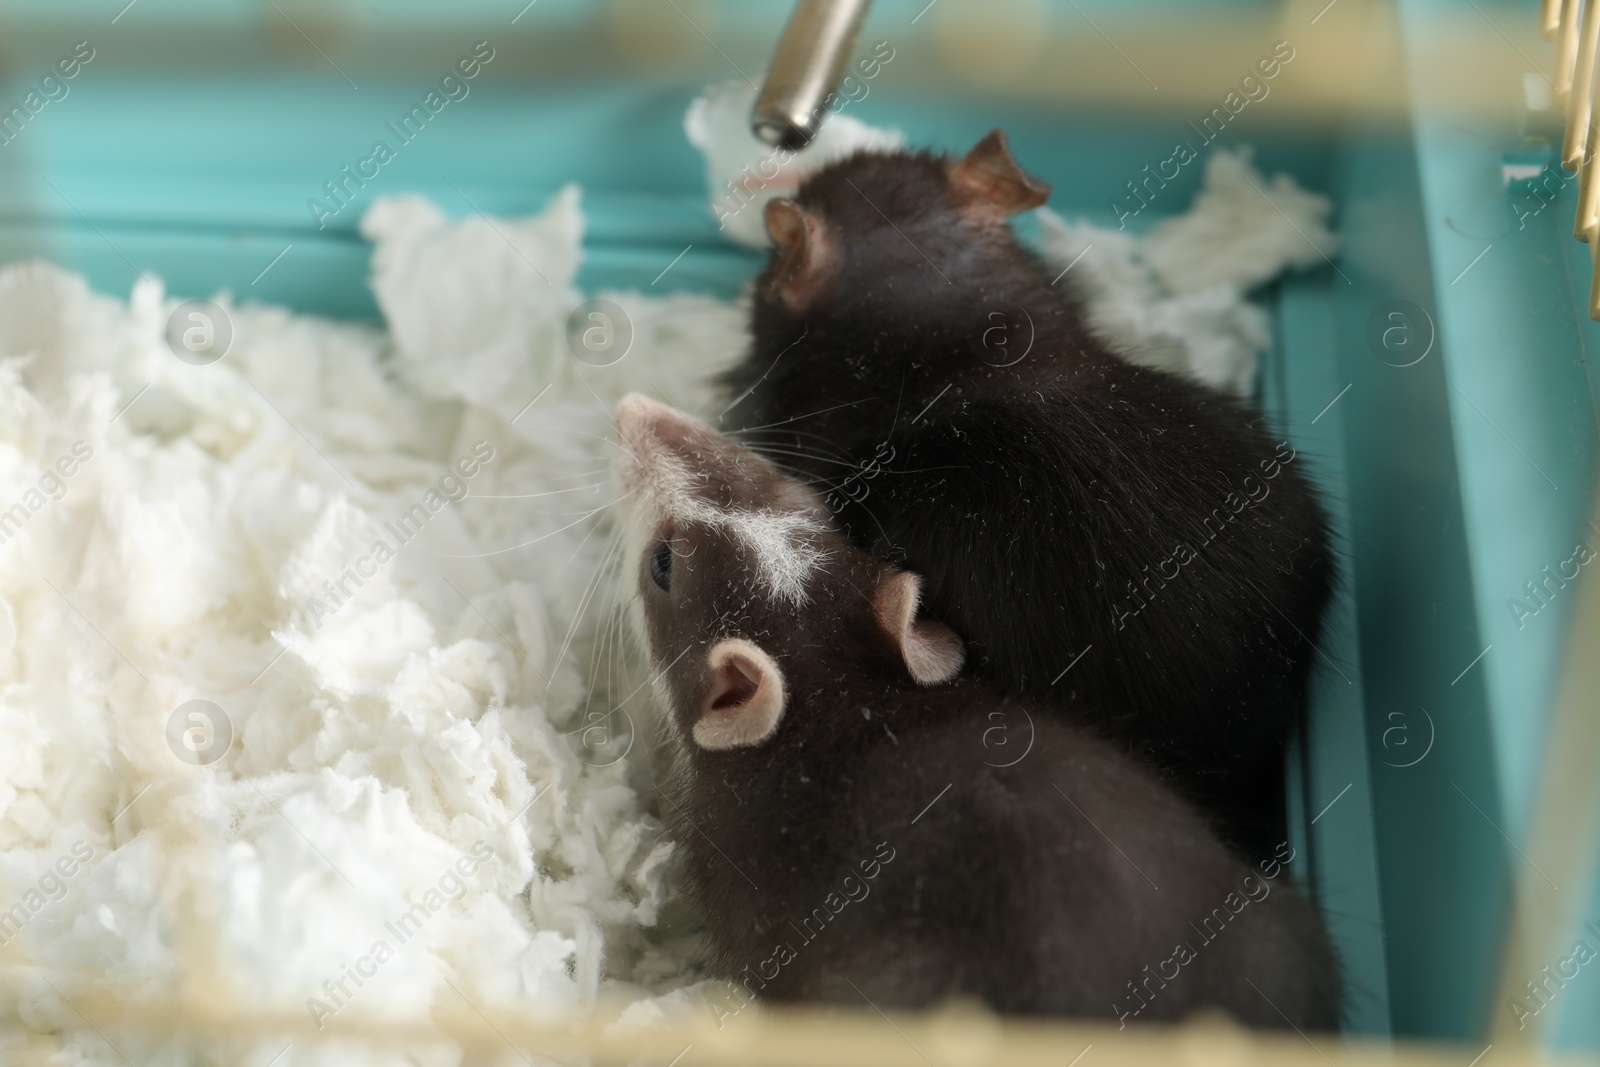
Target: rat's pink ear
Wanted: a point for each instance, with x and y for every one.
(931, 650)
(992, 181)
(746, 698)
(802, 251)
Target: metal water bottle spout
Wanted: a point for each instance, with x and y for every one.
(805, 71)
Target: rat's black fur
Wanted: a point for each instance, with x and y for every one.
(1052, 505)
(872, 848)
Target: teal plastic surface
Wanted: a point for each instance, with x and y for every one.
(1451, 481)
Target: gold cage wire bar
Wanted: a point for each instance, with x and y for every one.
(1574, 26)
(957, 1036)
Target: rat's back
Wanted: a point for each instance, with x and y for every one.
(1070, 882)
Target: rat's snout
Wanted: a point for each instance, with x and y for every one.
(658, 439)
(663, 458)
(652, 438)
(636, 418)
(672, 466)
(635, 410)
(640, 418)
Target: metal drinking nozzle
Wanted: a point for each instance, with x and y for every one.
(805, 70)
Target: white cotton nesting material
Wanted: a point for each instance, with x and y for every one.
(381, 555)
(397, 740)
(1177, 297)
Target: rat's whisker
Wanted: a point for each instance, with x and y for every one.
(745, 436)
(576, 551)
(541, 537)
(820, 447)
(606, 471)
(564, 514)
(605, 655)
(805, 478)
(810, 415)
(766, 449)
(744, 395)
(577, 620)
(602, 659)
(662, 673)
(591, 487)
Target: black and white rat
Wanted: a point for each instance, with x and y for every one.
(850, 834)
(1103, 535)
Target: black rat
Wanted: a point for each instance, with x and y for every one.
(1103, 535)
(850, 833)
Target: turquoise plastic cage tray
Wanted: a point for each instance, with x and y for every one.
(191, 143)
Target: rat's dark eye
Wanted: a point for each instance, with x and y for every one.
(661, 566)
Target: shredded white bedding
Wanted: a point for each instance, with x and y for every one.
(1177, 297)
(377, 558)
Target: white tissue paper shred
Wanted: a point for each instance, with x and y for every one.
(381, 557)
(417, 723)
(1176, 298)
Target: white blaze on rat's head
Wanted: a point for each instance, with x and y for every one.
(675, 471)
(745, 588)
